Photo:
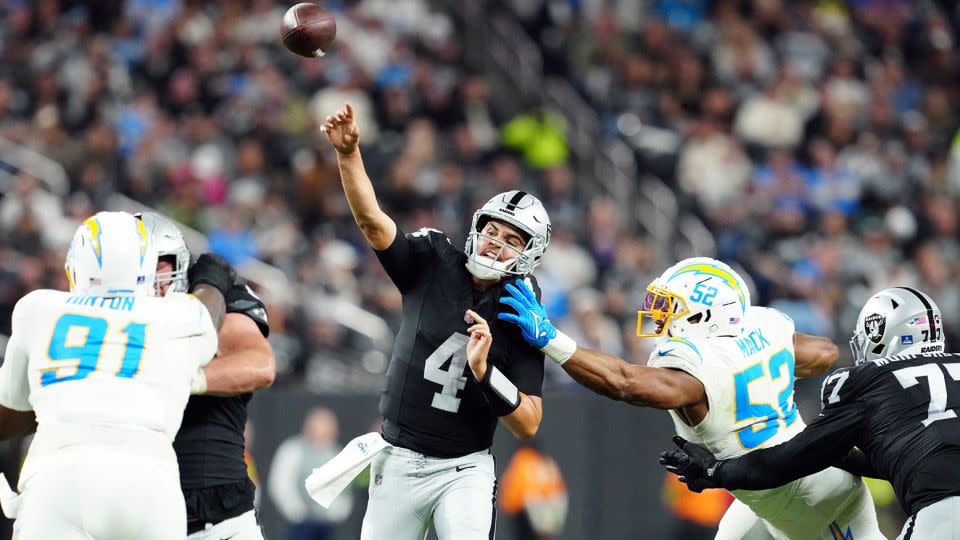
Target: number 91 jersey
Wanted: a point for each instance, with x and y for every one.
(93, 361)
(748, 380)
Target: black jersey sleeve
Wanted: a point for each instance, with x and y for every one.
(404, 259)
(525, 365)
(824, 442)
(241, 299)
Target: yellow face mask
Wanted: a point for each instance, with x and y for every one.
(660, 305)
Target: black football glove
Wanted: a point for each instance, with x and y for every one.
(213, 270)
(695, 466)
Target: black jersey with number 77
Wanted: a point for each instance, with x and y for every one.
(432, 403)
(901, 411)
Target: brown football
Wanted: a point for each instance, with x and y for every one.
(308, 29)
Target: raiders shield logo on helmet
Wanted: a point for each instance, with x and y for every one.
(875, 325)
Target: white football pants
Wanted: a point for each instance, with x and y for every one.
(102, 494)
(800, 509)
(409, 491)
(939, 521)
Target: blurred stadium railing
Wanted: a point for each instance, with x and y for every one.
(510, 57)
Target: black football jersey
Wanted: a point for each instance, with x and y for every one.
(210, 442)
(901, 411)
(431, 403)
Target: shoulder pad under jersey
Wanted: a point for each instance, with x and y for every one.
(677, 353)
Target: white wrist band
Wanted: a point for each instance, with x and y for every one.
(198, 385)
(560, 348)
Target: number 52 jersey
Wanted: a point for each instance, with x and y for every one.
(104, 362)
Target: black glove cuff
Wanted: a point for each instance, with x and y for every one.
(212, 270)
(501, 394)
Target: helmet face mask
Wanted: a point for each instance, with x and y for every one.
(171, 248)
(526, 215)
(661, 306)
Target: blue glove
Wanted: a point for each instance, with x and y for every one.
(531, 316)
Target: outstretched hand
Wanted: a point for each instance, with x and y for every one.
(695, 466)
(342, 131)
(531, 316)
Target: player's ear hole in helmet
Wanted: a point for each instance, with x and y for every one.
(520, 211)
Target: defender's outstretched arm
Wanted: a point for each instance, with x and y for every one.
(642, 386)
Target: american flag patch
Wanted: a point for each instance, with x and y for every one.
(919, 320)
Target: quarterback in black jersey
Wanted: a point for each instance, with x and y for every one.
(439, 414)
(892, 416)
(210, 444)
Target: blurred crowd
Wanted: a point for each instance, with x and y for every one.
(815, 138)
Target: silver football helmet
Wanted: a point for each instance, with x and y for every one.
(168, 242)
(899, 320)
(518, 209)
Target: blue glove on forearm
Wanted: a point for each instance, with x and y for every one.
(534, 323)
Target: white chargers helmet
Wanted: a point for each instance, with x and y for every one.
(169, 242)
(112, 255)
(899, 320)
(518, 209)
(695, 298)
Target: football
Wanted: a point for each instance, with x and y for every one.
(308, 29)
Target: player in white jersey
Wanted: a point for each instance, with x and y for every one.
(107, 370)
(725, 371)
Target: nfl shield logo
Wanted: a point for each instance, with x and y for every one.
(378, 479)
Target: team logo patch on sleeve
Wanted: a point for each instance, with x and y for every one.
(875, 325)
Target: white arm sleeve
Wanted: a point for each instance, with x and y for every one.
(14, 384)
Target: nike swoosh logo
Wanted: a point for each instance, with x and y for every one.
(664, 353)
(461, 468)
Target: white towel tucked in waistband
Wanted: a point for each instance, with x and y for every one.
(10, 500)
(327, 482)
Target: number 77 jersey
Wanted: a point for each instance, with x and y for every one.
(92, 361)
(902, 412)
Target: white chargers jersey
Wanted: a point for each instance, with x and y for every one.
(94, 363)
(749, 384)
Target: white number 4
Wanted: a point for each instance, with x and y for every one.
(453, 379)
(938, 387)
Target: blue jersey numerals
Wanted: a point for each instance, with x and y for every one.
(765, 419)
(86, 347)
